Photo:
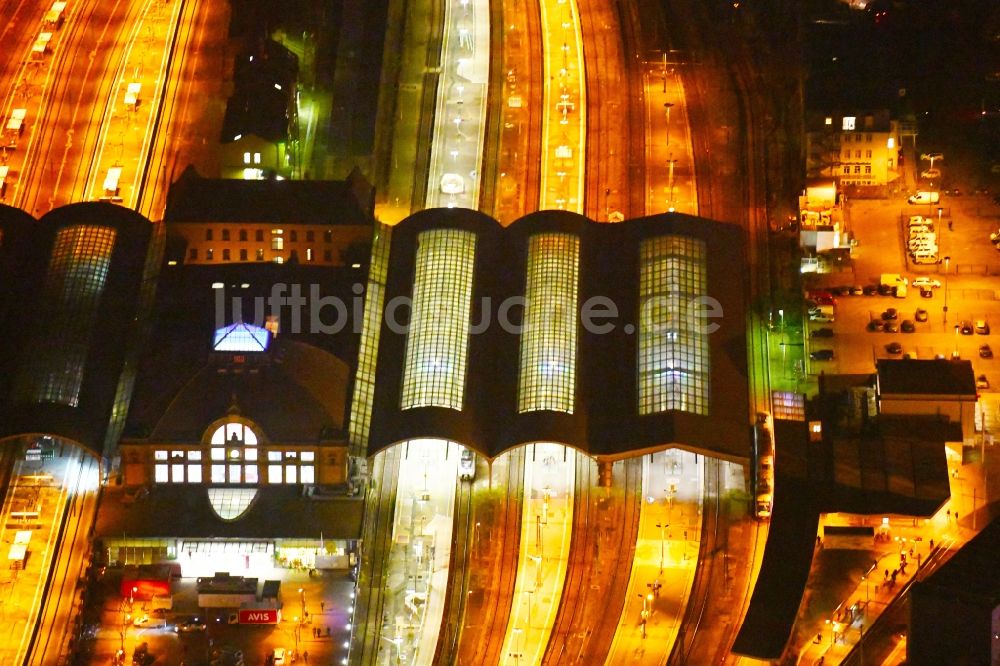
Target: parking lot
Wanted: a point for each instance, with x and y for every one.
(326, 598)
(969, 279)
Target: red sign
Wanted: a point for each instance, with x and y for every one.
(259, 616)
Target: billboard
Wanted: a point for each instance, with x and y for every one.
(258, 616)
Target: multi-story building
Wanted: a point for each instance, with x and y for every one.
(221, 221)
(860, 148)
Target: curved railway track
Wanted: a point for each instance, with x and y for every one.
(609, 124)
(458, 576)
(61, 597)
(488, 609)
(514, 128)
(605, 527)
(380, 510)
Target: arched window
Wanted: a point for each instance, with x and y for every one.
(234, 454)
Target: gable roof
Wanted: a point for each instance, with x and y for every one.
(193, 198)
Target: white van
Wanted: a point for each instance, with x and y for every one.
(925, 198)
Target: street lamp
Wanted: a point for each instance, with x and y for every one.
(668, 106)
(662, 527)
(947, 265)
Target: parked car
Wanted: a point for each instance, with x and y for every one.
(926, 293)
(857, 290)
(910, 355)
(907, 326)
(817, 294)
(870, 290)
(886, 290)
(140, 620)
(841, 291)
(982, 327)
(822, 355)
(890, 314)
(894, 348)
(190, 626)
(926, 282)
(982, 382)
(920, 314)
(822, 333)
(874, 326)
(890, 327)
(965, 328)
(985, 351)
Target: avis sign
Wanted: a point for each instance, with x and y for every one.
(259, 616)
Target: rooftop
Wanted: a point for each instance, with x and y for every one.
(963, 575)
(926, 377)
(193, 198)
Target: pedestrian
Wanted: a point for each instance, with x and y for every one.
(322, 606)
(949, 225)
(932, 544)
(886, 574)
(305, 655)
(328, 632)
(314, 632)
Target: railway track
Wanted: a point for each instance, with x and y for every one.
(712, 540)
(488, 609)
(463, 533)
(61, 596)
(605, 527)
(609, 127)
(380, 510)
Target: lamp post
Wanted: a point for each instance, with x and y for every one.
(947, 266)
(662, 527)
(668, 106)
(302, 600)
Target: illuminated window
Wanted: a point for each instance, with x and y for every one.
(274, 455)
(218, 473)
(279, 260)
(308, 456)
(256, 158)
(177, 473)
(547, 377)
(194, 455)
(274, 474)
(161, 473)
(277, 239)
(673, 343)
(231, 503)
(849, 122)
(235, 474)
(250, 473)
(308, 474)
(218, 454)
(194, 473)
(437, 343)
(160, 455)
(291, 473)
(70, 295)
(246, 158)
(309, 254)
(260, 254)
(828, 121)
(250, 454)
(208, 254)
(890, 143)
